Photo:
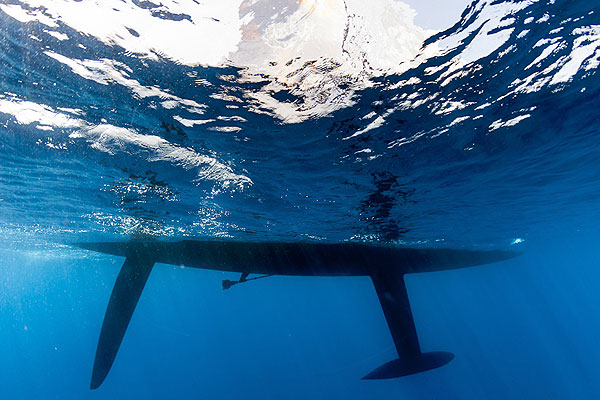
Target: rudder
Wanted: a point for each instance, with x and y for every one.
(123, 299)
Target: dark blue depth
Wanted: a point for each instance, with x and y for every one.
(526, 328)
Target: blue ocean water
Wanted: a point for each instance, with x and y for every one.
(488, 141)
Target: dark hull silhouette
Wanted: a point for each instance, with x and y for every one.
(386, 265)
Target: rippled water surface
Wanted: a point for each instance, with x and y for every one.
(312, 121)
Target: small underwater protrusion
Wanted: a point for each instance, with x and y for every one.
(226, 283)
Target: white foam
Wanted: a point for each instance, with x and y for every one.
(586, 48)
(324, 51)
(205, 35)
(105, 72)
(511, 122)
(345, 42)
(58, 35)
(27, 112)
(584, 54)
(22, 15)
(113, 139)
(490, 21)
(191, 122)
(226, 129)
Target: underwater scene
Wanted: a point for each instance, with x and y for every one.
(314, 199)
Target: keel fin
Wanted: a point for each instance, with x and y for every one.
(408, 366)
(123, 299)
(393, 297)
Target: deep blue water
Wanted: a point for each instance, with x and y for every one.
(499, 150)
